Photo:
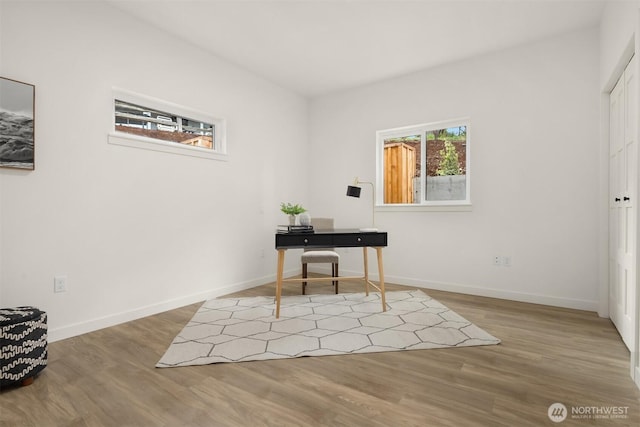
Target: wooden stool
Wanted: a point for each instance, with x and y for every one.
(320, 256)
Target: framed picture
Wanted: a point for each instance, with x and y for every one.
(17, 142)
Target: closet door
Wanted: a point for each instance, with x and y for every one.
(623, 158)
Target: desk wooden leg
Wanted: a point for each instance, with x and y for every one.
(381, 274)
(279, 280)
(366, 269)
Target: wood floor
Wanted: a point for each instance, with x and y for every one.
(547, 355)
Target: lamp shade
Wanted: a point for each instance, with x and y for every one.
(353, 191)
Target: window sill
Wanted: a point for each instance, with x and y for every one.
(462, 207)
(135, 141)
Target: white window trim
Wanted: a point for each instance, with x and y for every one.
(136, 141)
(400, 207)
(426, 205)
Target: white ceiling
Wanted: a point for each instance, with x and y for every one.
(318, 46)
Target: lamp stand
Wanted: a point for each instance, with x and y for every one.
(373, 227)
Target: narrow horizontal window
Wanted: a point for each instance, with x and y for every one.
(162, 125)
(165, 127)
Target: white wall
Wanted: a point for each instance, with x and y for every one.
(120, 222)
(137, 231)
(617, 28)
(535, 146)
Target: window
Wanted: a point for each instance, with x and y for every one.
(149, 123)
(424, 165)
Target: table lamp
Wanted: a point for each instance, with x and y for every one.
(354, 191)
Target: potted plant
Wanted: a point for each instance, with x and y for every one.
(292, 211)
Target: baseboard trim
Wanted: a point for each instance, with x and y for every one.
(80, 328)
(578, 304)
(92, 325)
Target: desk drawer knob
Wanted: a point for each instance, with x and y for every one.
(359, 239)
(306, 240)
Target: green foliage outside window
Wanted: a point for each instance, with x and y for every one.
(449, 164)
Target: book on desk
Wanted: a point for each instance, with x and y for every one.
(295, 229)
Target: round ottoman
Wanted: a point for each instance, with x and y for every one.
(23, 344)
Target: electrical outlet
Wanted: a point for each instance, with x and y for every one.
(502, 261)
(60, 284)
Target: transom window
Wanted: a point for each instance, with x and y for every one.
(144, 122)
(424, 165)
(149, 122)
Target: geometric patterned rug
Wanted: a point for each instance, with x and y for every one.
(244, 329)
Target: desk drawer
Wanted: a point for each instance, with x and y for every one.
(355, 240)
(304, 240)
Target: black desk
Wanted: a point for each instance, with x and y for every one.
(338, 238)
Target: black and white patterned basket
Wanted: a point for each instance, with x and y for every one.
(23, 343)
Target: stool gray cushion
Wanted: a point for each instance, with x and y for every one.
(320, 256)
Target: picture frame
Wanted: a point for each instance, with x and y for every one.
(17, 124)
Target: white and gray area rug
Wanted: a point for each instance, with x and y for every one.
(243, 329)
